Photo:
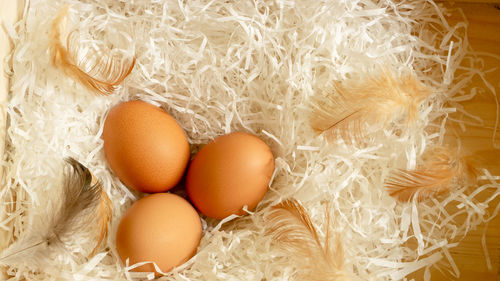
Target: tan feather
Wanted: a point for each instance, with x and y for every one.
(103, 214)
(99, 72)
(352, 108)
(441, 170)
(75, 212)
(292, 228)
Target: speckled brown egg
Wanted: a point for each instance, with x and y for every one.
(145, 146)
(229, 173)
(162, 228)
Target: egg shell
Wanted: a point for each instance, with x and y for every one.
(163, 228)
(229, 173)
(145, 147)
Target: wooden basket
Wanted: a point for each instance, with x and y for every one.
(484, 36)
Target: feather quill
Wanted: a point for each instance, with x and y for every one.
(441, 170)
(292, 228)
(81, 202)
(353, 108)
(97, 71)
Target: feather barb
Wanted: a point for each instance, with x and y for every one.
(351, 109)
(442, 168)
(97, 71)
(291, 227)
(103, 213)
(80, 201)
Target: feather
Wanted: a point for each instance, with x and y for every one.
(291, 227)
(103, 217)
(97, 71)
(353, 108)
(81, 202)
(442, 168)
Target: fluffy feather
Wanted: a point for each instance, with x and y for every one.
(98, 71)
(353, 108)
(81, 202)
(442, 168)
(292, 228)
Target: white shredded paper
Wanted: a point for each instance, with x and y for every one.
(251, 65)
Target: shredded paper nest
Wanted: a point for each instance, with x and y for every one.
(255, 66)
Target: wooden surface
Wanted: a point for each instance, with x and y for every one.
(453, 2)
(9, 14)
(484, 37)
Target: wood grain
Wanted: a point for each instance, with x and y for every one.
(470, 1)
(484, 37)
(10, 12)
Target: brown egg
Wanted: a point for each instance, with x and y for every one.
(162, 228)
(229, 173)
(145, 146)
